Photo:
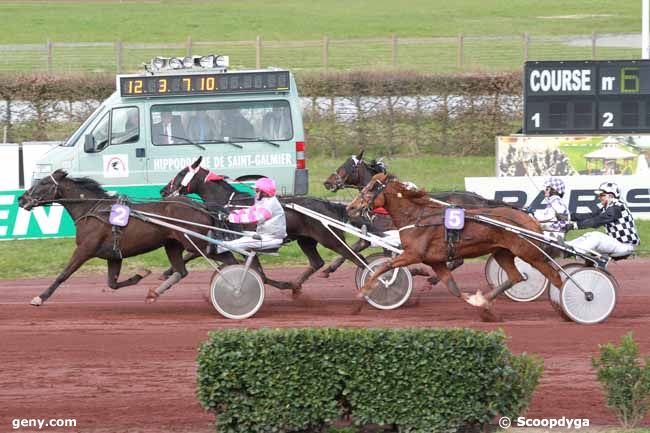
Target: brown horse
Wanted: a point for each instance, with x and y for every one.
(422, 233)
(89, 206)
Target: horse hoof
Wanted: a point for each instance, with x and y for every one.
(433, 280)
(143, 273)
(152, 297)
(37, 301)
(324, 274)
(296, 293)
(476, 300)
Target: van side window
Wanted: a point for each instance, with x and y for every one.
(125, 125)
(100, 134)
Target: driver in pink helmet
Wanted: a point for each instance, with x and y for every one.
(267, 213)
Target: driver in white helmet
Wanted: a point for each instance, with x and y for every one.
(267, 213)
(554, 217)
(612, 213)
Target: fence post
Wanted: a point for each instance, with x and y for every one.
(188, 46)
(49, 55)
(526, 42)
(460, 60)
(593, 45)
(258, 52)
(118, 55)
(393, 49)
(326, 52)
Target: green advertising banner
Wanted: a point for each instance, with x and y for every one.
(53, 221)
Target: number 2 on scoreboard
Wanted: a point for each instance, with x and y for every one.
(608, 119)
(535, 118)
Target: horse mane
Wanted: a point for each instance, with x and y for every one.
(90, 185)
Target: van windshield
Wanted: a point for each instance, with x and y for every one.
(72, 140)
(221, 122)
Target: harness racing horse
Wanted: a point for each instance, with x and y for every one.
(89, 206)
(355, 172)
(216, 191)
(422, 233)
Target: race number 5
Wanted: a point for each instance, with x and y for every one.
(119, 215)
(454, 218)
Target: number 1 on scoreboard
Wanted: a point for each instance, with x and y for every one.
(536, 119)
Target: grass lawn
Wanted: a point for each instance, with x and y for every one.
(228, 20)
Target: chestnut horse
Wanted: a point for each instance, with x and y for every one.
(422, 233)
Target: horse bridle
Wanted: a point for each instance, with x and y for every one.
(185, 182)
(377, 189)
(339, 180)
(52, 191)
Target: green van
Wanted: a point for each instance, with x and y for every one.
(245, 124)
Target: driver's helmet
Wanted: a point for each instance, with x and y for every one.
(266, 185)
(609, 188)
(556, 184)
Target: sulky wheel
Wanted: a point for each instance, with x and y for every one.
(393, 287)
(237, 292)
(528, 290)
(359, 273)
(554, 292)
(492, 269)
(597, 301)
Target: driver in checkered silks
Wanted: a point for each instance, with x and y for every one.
(621, 236)
(267, 213)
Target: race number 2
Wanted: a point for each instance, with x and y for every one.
(119, 215)
(454, 218)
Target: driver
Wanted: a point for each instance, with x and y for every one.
(621, 238)
(267, 213)
(554, 217)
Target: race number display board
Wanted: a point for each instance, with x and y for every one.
(584, 97)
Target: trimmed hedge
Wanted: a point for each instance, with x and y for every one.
(456, 126)
(420, 380)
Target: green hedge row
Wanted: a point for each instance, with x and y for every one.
(80, 87)
(419, 380)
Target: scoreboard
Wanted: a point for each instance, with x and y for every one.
(203, 83)
(586, 97)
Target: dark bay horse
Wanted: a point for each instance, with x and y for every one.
(422, 233)
(89, 206)
(217, 193)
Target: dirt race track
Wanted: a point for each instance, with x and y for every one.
(116, 364)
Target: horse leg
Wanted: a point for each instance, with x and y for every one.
(506, 260)
(174, 251)
(79, 257)
(444, 274)
(186, 258)
(360, 245)
(114, 268)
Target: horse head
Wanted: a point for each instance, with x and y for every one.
(186, 181)
(371, 196)
(354, 173)
(46, 190)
